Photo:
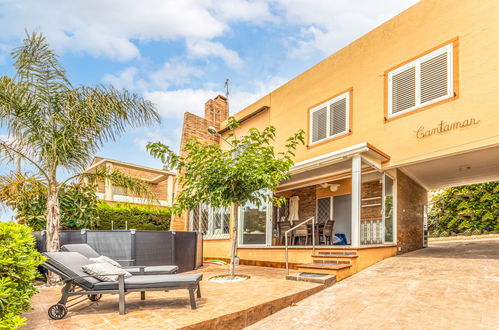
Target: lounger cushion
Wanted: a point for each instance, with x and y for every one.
(153, 270)
(105, 271)
(153, 281)
(83, 249)
(69, 264)
(106, 260)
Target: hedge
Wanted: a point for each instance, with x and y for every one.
(466, 208)
(18, 269)
(138, 217)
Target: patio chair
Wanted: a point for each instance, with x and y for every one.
(327, 232)
(284, 226)
(68, 265)
(301, 233)
(89, 252)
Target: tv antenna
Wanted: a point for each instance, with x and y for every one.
(226, 86)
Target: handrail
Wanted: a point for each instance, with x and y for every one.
(293, 228)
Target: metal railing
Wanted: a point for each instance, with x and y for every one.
(293, 228)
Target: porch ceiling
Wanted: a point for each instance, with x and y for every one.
(456, 170)
(332, 166)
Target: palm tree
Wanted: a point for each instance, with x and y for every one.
(55, 126)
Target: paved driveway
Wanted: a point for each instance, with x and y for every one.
(450, 285)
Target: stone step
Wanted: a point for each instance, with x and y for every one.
(325, 279)
(334, 255)
(324, 266)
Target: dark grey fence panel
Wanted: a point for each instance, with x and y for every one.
(143, 248)
(185, 250)
(154, 248)
(70, 237)
(116, 244)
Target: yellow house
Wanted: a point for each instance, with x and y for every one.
(409, 107)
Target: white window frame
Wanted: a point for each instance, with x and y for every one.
(331, 200)
(327, 104)
(417, 64)
(210, 235)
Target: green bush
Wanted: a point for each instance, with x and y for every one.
(444, 233)
(472, 207)
(468, 232)
(18, 269)
(140, 217)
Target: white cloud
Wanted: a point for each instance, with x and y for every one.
(203, 49)
(174, 72)
(110, 28)
(126, 79)
(174, 103)
(330, 25)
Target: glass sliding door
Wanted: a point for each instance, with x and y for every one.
(254, 228)
(388, 208)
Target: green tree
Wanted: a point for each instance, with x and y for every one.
(248, 171)
(55, 126)
(27, 196)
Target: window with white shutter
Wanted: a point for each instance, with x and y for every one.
(330, 119)
(423, 81)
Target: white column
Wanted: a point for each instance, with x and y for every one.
(356, 199)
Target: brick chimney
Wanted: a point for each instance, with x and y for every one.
(215, 112)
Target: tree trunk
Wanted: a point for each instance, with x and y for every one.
(234, 242)
(52, 227)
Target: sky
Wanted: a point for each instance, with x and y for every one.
(178, 53)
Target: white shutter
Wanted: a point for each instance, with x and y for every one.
(434, 78)
(403, 90)
(425, 80)
(338, 117)
(319, 124)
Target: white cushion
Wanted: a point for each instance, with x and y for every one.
(104, 259)
(105, 271)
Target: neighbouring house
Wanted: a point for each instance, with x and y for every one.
(409, 107)
(162, 183)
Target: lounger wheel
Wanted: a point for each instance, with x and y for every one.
(57, 312)
(94, 297)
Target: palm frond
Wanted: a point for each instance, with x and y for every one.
(136, 186)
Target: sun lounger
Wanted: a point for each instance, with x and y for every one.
(89, 252)
(68, 265)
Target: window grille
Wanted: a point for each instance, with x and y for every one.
(213, 223)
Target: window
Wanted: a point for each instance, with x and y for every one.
(330, 119)
(213, 223)
(117, 190)
(423, 81)
(324, 209)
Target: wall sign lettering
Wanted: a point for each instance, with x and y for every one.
(444, 127)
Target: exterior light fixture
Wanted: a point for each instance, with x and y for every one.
(212, 130)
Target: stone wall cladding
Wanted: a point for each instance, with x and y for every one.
(411, 197)
(369, 190)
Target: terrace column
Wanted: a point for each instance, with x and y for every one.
(356, 199)
(108, 186)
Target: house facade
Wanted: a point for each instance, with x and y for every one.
(161, 182)
(409, 107)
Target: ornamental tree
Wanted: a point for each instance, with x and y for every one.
(249, 170)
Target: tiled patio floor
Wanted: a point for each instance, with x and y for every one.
(450, 285)
(242, 303)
